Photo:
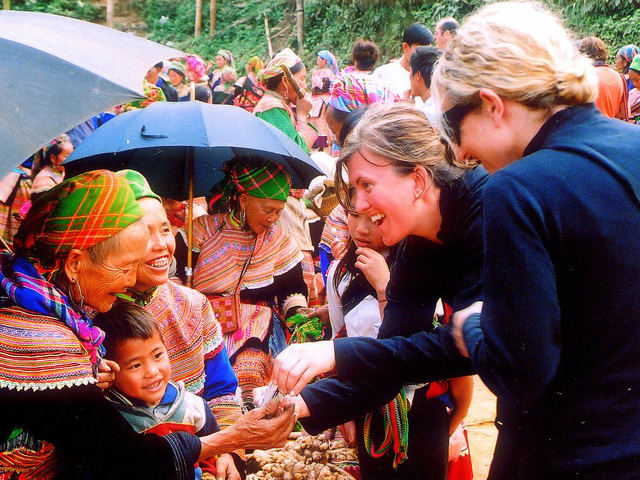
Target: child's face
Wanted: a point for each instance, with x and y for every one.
(144, 369)
(364, 232)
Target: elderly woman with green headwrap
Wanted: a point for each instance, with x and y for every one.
(276, 106)
(248, 267)
(78, 247)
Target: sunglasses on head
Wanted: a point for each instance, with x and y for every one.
(452, 118)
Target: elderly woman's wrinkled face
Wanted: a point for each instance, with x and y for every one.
(154, 267)
(261, 213)
(101, 282)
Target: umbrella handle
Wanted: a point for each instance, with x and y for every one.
(149, 135)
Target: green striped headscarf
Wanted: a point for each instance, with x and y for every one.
(79, 213)
(270, 180)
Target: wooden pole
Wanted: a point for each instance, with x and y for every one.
(110, 14)
(6, 4)
(300, 23)
(213, 17)
(189, 269)
(266, 29)
(198, 18)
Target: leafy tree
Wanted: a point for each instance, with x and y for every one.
(83, 10)
(334, 24)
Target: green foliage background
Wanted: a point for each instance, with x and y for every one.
(84, 10)
(333, 24)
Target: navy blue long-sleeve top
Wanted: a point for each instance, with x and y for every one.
(423, 272)
(558, 339)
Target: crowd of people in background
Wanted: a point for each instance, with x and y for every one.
(402, 240)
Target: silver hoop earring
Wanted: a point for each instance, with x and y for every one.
(70, 295)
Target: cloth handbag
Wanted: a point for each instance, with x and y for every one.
(226, 311)
(227, 308)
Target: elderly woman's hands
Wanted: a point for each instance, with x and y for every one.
(267, 426)
(262, 428)
(300, 363)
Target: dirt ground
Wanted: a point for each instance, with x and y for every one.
(481, 430)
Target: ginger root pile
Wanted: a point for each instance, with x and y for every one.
(304, 458)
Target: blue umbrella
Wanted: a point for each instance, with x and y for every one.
(181, 149)
(160, 140)
(57, 72)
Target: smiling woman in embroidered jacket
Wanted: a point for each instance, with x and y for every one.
(79, 246)
(244, 253)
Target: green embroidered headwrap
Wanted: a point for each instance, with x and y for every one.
(270, 180)
(79, 213)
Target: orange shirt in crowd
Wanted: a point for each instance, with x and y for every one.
(612, 93)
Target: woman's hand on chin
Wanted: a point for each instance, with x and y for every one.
(299, 364)
(374, 267)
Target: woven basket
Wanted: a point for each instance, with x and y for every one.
(328, 204)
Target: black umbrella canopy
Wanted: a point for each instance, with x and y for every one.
(159, 140)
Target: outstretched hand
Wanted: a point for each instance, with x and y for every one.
(262, 428)
(300, 363)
